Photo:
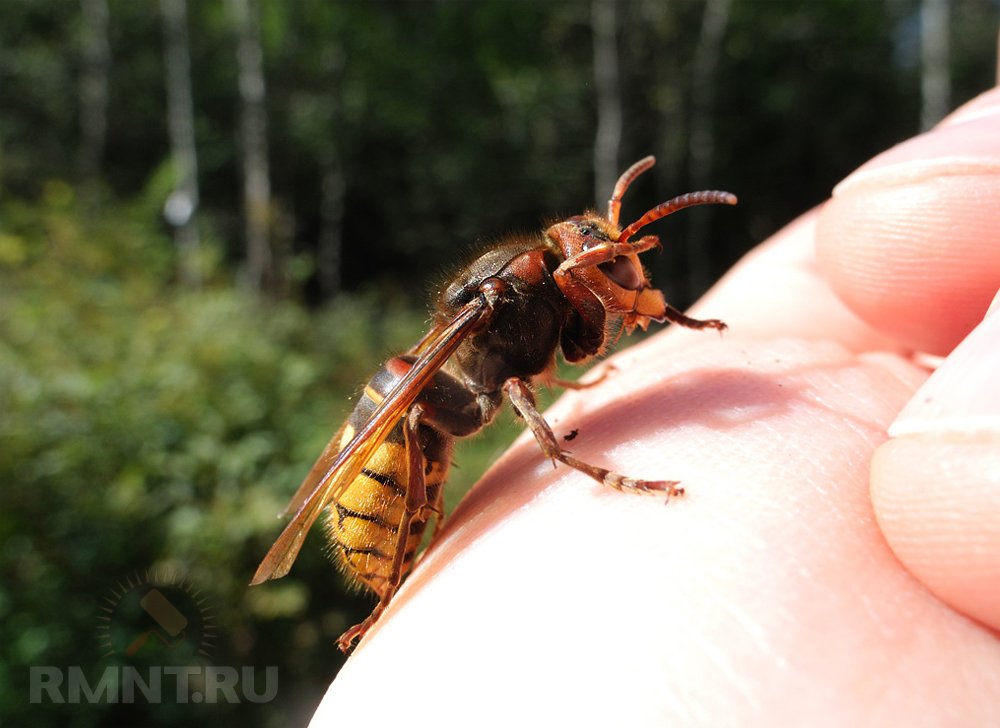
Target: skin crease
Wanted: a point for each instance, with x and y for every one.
(771, 592)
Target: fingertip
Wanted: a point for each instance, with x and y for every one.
(936, 486)
(916, 261)
(909, 240)
(937, 500)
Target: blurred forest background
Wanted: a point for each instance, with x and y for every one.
(218, 217)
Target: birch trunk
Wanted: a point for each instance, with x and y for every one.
(701, 144)
(604, 23)
(182, 206)
(935, 80)
(256, 174)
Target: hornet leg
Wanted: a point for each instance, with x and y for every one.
(523, 400)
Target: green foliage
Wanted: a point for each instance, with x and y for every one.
(145, 427)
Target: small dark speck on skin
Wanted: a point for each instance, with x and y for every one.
(572, 435)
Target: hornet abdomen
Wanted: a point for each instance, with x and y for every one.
(363, 523)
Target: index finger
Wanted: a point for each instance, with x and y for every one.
(911, 241)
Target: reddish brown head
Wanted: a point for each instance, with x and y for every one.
(601, 272)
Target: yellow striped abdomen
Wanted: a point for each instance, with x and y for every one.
(363, 524)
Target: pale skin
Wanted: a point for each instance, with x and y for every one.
(817, 571)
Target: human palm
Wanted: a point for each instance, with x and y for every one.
(816, 572)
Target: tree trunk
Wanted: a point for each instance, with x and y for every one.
(671, 144)
(328, 254)
(935, 81)
(701, 144)
(256, 174)
(93, 92)
(182, 206)
(604, 24)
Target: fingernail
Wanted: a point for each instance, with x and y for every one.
(962, 397)
(969, 149)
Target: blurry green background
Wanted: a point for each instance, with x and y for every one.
(169, 371)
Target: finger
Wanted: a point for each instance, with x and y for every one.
(777, 291)
(910, 241)
(936, 485)
(766, 595)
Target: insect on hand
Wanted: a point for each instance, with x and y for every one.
(496, 327)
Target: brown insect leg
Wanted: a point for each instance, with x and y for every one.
(606, 253)
(674, 316)
(437, 508)
(570, 384)
(524, 402)
(415, 502)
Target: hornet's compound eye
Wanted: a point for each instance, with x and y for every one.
(593, 236)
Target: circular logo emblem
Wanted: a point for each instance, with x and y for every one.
(158, 617)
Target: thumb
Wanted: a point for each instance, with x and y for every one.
(936, 484)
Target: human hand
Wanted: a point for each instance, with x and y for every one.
(768, 594)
